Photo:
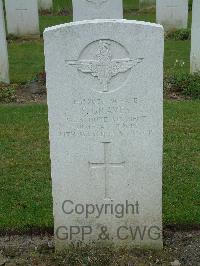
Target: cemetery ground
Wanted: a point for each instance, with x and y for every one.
(26, 221)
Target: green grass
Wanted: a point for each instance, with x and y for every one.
(62, 4)
(25, 166)
(142, 16)
(177, 50)
(182, 162)
(48, 21)
(26, 60)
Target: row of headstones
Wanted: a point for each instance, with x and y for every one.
(25, 21)
(172, 14)
(22, 16)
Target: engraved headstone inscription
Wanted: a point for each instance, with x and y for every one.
(22, 17)
(4, 67)
(106, 135)
(195, 38)
(97, 9)
(172, 14)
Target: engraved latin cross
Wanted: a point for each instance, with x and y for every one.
(106, 165)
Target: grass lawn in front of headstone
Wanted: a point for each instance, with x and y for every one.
(25, 180)
(24, 167)
(26, 59)
(48, 21)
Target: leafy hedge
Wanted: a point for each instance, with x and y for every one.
(183, 83)
(7, 95)
(182, 35)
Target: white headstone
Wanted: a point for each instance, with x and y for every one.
(22, 17)
(105, 118)
(45, 4)
(97, 9)
(195, 38)
(147, 3)
(172, 14)
(4, 68)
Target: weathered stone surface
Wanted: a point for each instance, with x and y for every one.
(147, 3)
(97, 9)
(104, 85)
(22, 17)
(4, 67)
(172, 14)
(195, 39)
(45, 4)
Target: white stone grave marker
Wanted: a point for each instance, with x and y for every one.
(172, 14)
(4, 67)
(97, 9)
(22, 17)
(195, 38)
(106, 131)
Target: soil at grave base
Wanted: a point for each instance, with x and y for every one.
(180, 248)
(33, 92)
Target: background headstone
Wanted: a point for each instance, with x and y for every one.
(4, 67)
(172, 14)
(147, 3)
(195, 38)
(22, 17)
(106, 134)
(97, 9)
(45, 4)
